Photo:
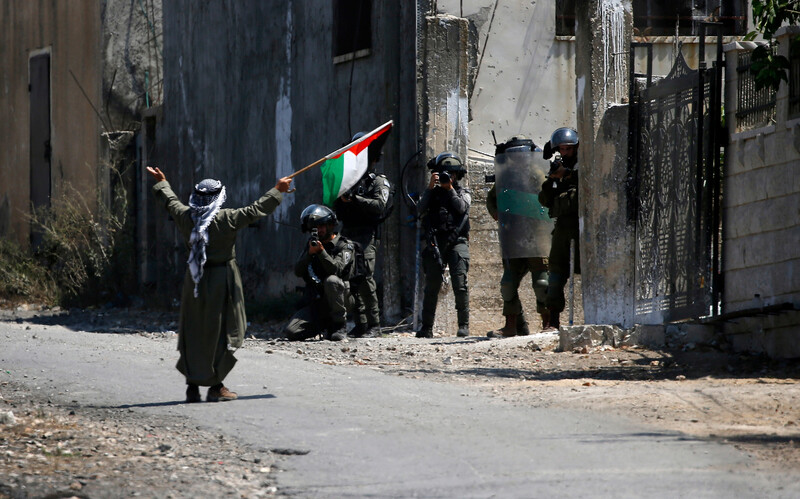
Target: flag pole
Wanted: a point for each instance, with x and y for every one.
(312, 165)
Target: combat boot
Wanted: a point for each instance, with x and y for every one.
(463, 330)
(338, 332)
(425, 332)
(357, 331)
(510, 329)
(372, 332)
(553, 322)
(545, 315)
(522, 325)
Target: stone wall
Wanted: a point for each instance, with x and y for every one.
(761, 219)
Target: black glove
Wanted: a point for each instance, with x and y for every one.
(548, 151)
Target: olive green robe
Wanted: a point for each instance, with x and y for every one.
(214, 323)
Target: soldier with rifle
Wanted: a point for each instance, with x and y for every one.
(560, 195)
(326, 265)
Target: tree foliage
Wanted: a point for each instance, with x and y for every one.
(767, 67)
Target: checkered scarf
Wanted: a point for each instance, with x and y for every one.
(204, 203)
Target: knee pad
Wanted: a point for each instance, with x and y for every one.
(334, 283)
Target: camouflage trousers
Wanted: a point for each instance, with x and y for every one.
(456, 257)
(514, 270)
(329, 310)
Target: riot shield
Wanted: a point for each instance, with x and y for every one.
(524, 225)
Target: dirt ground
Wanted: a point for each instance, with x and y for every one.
(749, 401)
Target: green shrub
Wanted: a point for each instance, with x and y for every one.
(86, 255)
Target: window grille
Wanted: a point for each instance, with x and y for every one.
(755, 108)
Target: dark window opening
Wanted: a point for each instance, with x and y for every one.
(352, 27)
(652, 18)
(565, 18)
(659, 18)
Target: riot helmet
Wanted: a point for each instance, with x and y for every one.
(357, 136)
(315, 215)
(517, 142)
(564, 137)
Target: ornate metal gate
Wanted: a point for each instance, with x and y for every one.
(675, 165)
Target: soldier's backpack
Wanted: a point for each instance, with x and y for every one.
(359, 267)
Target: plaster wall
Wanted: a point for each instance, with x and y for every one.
(70, 33)
(607, 237)
(252, 94)
(761, 212)
(526, 84)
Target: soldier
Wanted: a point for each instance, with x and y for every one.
(524, 230)
(362, 209)
(326, 264)
(560, 195)
(212, 321)
(444, 209)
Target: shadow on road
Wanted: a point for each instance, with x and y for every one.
(177, 402)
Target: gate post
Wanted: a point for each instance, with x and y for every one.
(603, 33)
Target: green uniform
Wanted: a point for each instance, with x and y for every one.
(214, 323)
(445, 215)
(360, 218)
(560, 196)
(515, 269)
(328, 291)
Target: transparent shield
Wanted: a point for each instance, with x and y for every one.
(524, 225)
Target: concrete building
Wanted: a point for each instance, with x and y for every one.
(77, 78)
(249, 92)
(761, 208)
(50, 137)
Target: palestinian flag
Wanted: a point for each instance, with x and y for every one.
(343, 168)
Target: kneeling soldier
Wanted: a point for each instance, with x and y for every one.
(326, 265)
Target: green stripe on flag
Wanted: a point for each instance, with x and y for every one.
(332, 174)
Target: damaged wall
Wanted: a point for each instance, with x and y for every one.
(607, 236)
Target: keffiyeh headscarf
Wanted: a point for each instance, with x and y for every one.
(205, 202)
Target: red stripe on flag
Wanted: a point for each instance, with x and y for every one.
(366, 141)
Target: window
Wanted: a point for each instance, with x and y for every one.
(565, 17)
(660, 18)
(652, 18)
(352, 29)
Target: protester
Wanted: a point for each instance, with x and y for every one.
(212, 316)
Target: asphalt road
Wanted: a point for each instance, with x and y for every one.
(356, 432)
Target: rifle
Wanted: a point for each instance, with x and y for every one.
(434, 249)
(314, 241)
